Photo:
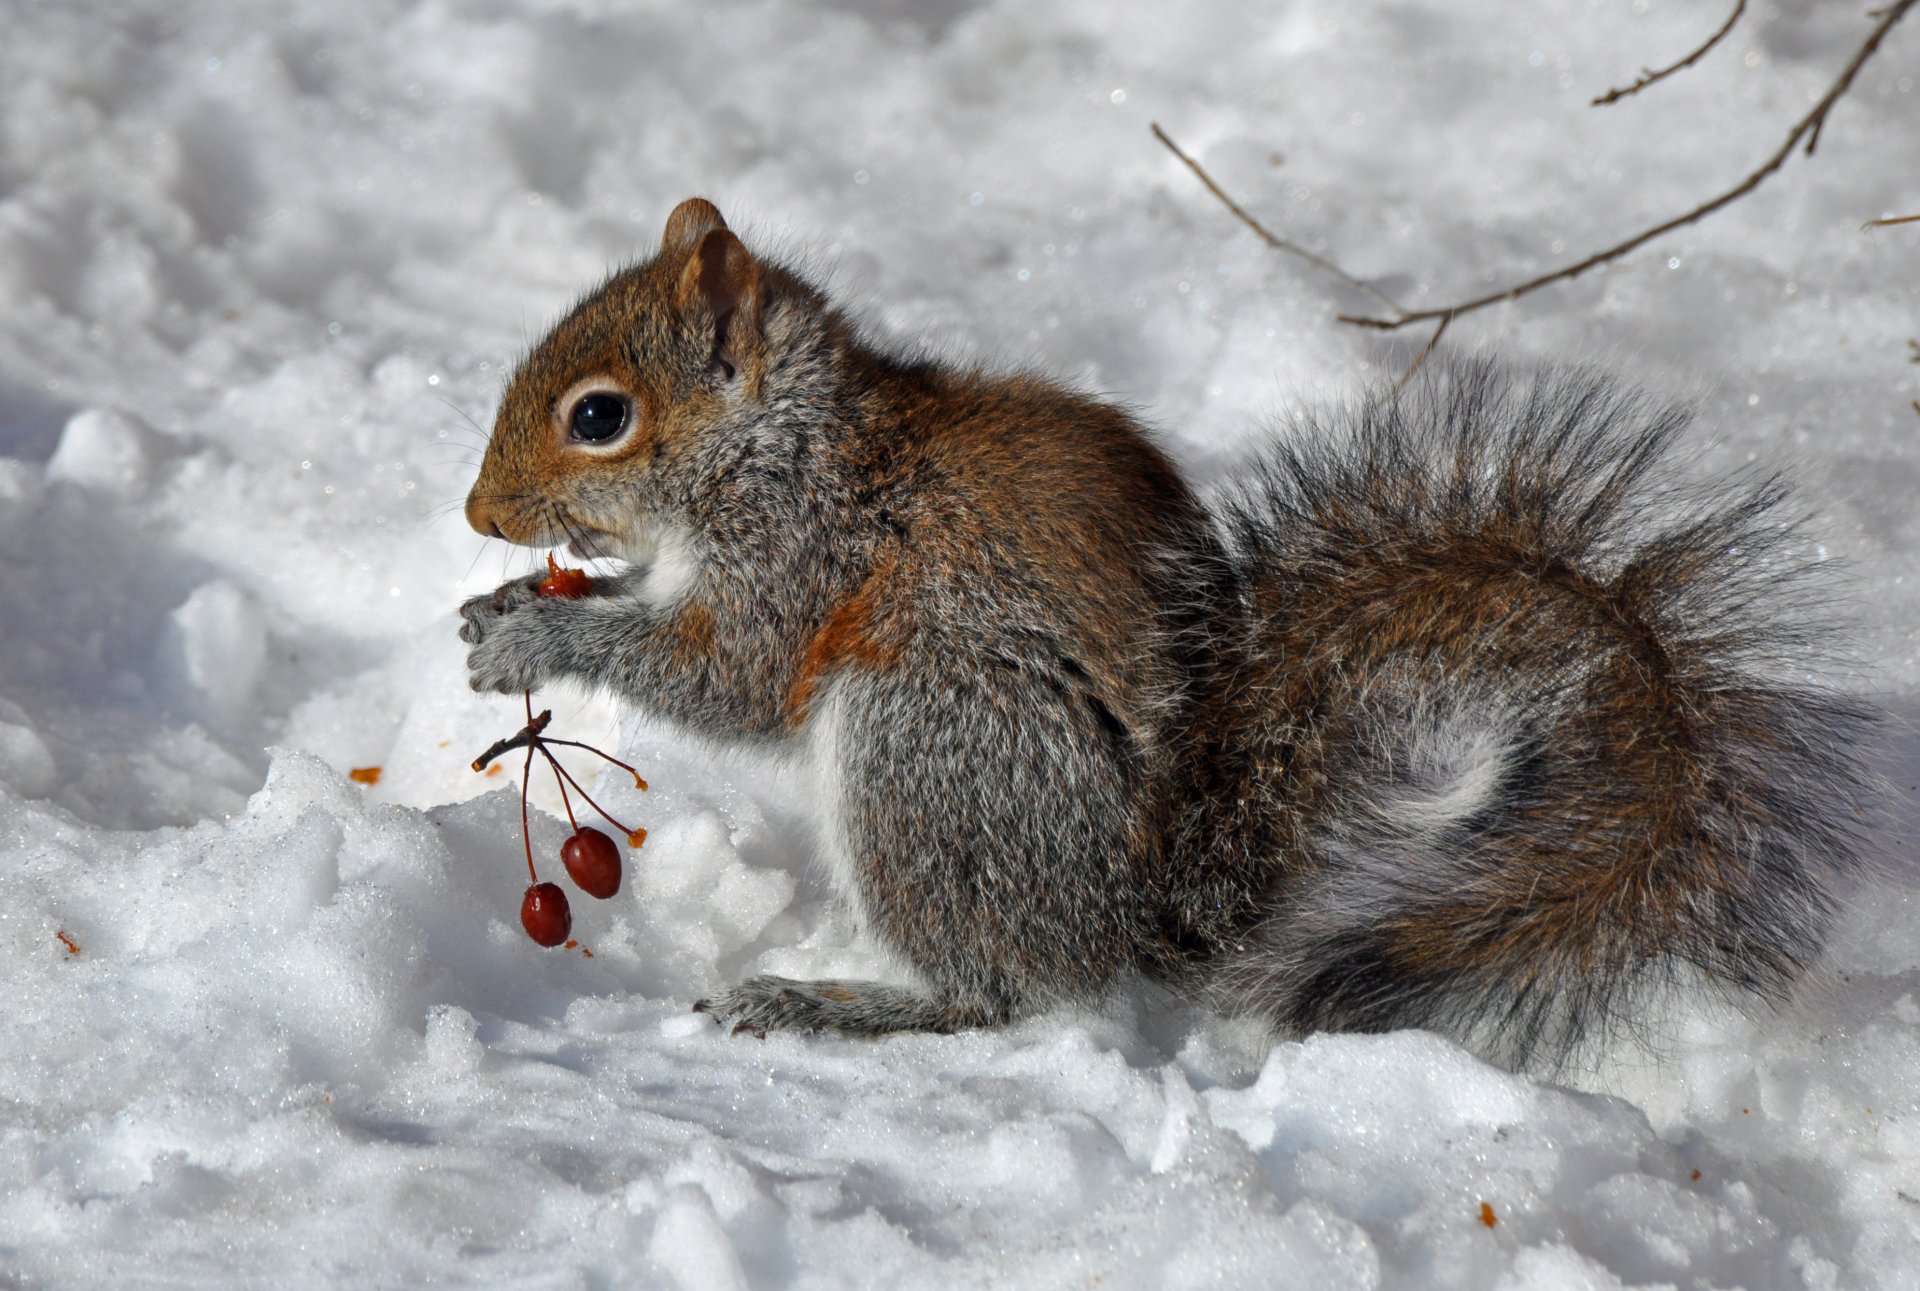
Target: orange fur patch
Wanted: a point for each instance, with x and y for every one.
(851, 635)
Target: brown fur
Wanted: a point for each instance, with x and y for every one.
(853, 637)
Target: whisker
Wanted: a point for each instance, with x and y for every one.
(479, 551)
(566, 526)
(467, 417)
(559, 522)
(588, 547)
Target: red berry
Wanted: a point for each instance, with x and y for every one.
(544, 914)
(593, 861)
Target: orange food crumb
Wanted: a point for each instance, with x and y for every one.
(636, 837)
(1487, 1216)
(494, 769)
(1696, 1174)
(364, 775)
(586, 952)
(73, 947)
(571, 943)
(569, 583)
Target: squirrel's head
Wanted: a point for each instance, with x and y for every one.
(622, 389)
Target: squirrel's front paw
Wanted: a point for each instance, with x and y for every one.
(479, 613)
(501, 664)
(513, 644)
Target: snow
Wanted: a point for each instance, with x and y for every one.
(265, 270)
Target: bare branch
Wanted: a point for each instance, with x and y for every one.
(1891, 219)
(1273, 240)
(1808, 129)
(1320, 262)
(1426, 352)
(1648, 76)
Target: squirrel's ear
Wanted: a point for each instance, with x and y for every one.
(720, 289)
(692, 220)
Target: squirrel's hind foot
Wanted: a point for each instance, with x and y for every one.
(766, 1003)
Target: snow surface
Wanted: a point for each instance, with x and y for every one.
(265, 266)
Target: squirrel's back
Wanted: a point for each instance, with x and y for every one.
(1527, 723)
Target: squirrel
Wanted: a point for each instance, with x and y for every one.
(1464, 711)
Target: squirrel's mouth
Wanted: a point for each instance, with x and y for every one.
(636, 540)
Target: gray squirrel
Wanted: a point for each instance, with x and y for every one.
(1464, 714)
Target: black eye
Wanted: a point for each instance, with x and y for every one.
(599, 417)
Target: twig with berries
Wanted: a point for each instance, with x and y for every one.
(591, 858)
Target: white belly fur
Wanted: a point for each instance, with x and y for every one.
(826, 725)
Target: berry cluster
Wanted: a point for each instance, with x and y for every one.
(592, 859)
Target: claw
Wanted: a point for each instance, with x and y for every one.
(758, 1033)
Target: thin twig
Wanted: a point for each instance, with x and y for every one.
(527, 735)
(1272, 239)
(1426, 352)
(1808, 129)
(1279, 243)
(1891, 219)
(1648, 76)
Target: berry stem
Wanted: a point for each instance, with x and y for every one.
(526, 781)
(529, 737)
(563, 790)
(526, 833)
(638, 781)
(562, 771)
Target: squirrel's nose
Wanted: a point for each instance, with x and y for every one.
(480, 519)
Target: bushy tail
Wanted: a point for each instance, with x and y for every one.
(1524, 729)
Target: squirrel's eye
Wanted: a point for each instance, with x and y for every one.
(599, 417)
